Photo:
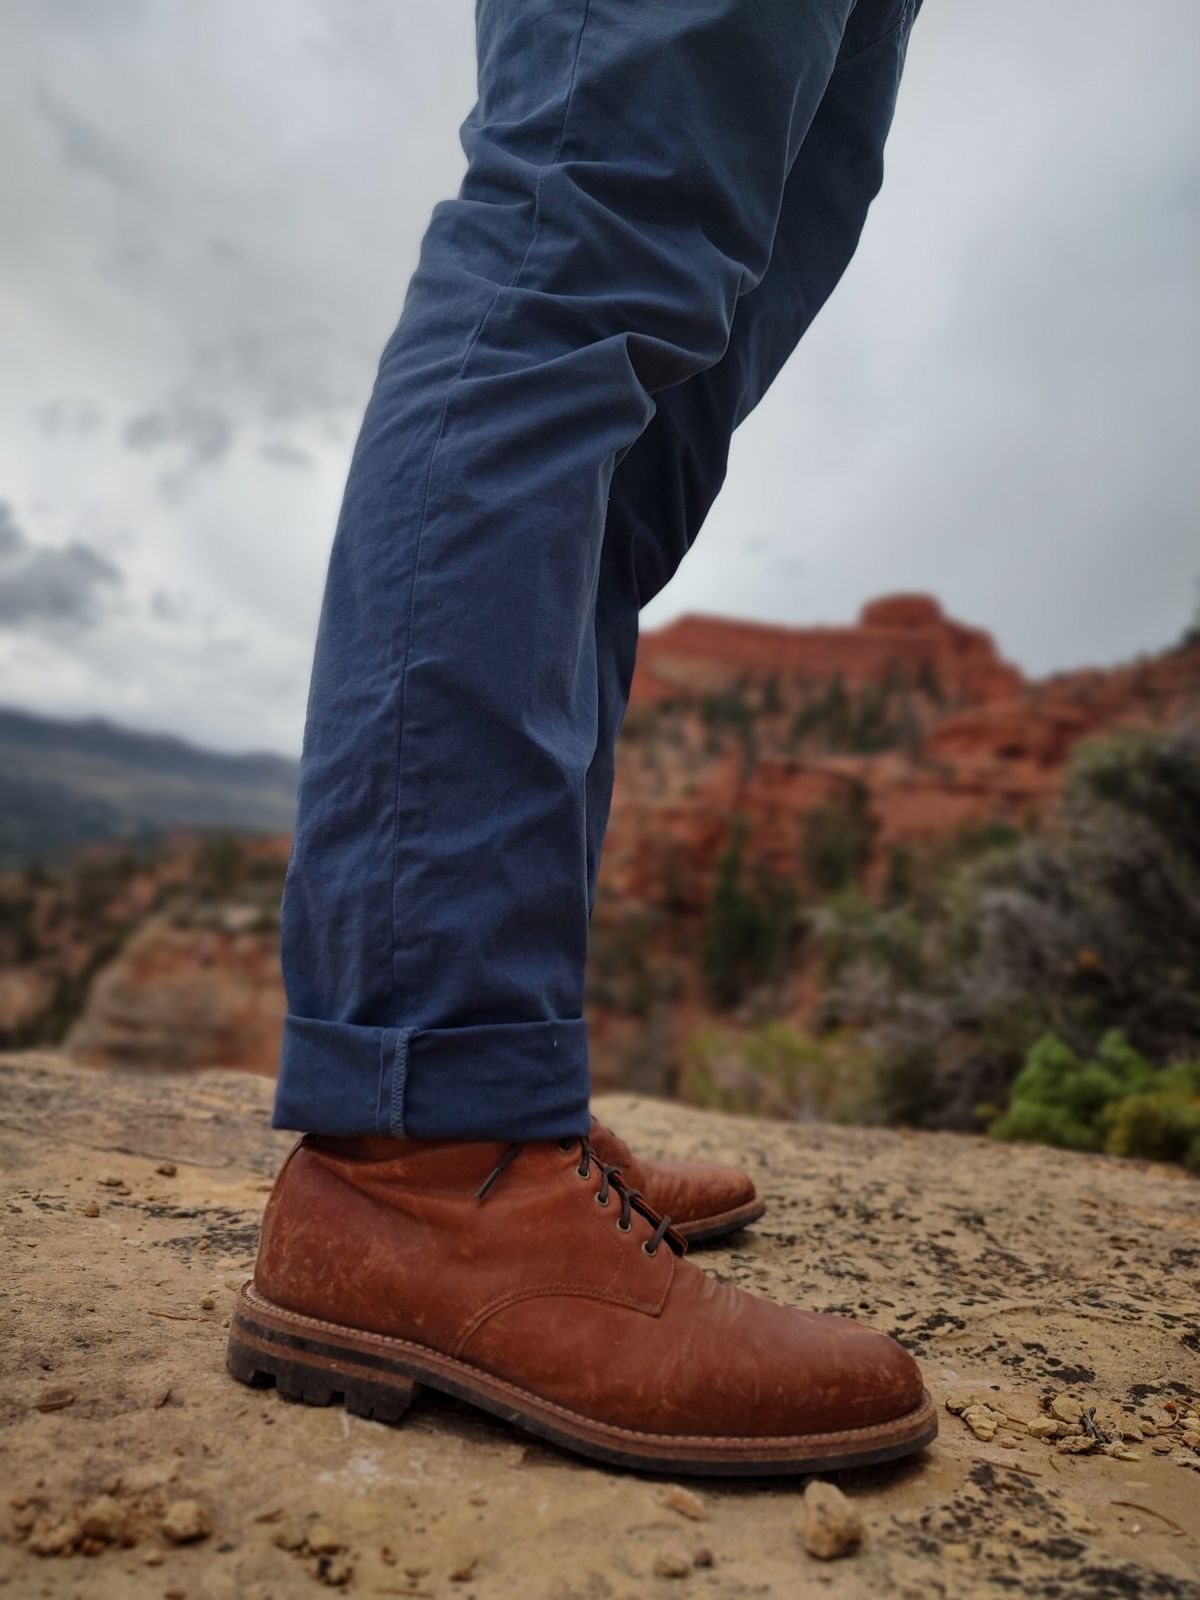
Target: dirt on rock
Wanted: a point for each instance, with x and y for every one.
(1053, 1299)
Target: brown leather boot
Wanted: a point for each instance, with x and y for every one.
(704, 1201)
(530, 1281)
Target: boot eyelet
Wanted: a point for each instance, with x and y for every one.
(581, 1172)
(601, 1201)
(625, 1227)
(648, 1250)
(566, 1144)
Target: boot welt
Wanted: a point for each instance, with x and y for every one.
(378, 1376)
(707, 1230)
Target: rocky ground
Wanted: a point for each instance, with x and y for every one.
(1054, 1301)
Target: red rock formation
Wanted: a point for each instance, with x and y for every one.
(187, 997)
(984, 746)
(905, 636)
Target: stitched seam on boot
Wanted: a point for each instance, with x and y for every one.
(542, 1291)
(402, 1345)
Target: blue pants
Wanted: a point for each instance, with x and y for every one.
(660, 195)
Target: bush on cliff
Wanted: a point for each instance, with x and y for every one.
(777, 1070)
(836, 840)
(1117, 1102)
(749, 928)
(1094, 927)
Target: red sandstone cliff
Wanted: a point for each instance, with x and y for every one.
(969, 742)
(902, 635)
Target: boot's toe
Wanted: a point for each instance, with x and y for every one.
(728, 1189)
(866, 1376)
(756, 1367)
(691, 1193)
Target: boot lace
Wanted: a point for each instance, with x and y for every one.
(611, 1182)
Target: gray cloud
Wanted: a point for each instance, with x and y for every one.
(50, 584)
(168, 607)
(69, 417)
(12, 540)
(286, 455)
(200, 432)
(89, 151)
(218, 224)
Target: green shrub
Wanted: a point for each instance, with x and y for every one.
(852, 930)
(1032, 1122)
(749, 926)
(836, 840)
(1161, 1126)
(1118, 1102)
(1091, 926)
(777, 1070)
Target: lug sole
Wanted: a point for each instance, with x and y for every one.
(707, 1230)
(377, 1376)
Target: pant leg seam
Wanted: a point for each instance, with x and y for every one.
(433, 454)
(562, 128)
(865, 50)
(412, 605)
(399, 1082)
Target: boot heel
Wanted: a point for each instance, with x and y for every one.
(316, 1384)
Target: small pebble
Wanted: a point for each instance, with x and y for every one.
(1045, 1427)
(167, 1169)
(186, 1520)
(1076, 1444)
(685, 1502)
(333, 1570)
(833, 1525)
(983, 1421)
(672, 1561)
(54, 1400)
(53, 1538)
(322, 1540)
(103, 1518)
(91, 1209)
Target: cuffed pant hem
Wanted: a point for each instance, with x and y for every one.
(517, 1080)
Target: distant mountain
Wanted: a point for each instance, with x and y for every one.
(64, 783)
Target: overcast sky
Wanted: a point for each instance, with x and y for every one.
(208, 213)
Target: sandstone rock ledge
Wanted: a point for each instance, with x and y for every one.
(1034, 1286)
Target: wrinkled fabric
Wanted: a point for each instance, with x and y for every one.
(658, 199)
